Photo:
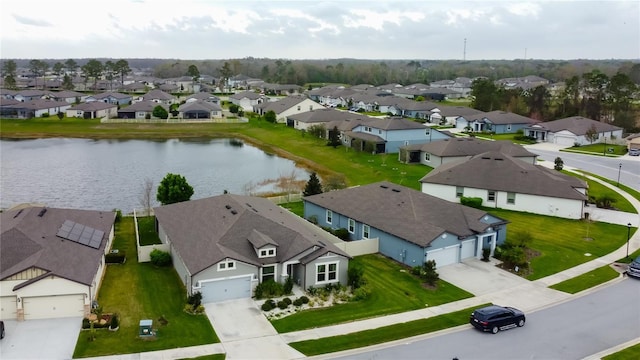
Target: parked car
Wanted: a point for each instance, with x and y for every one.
(495, 318)
(634, 268)
(634, 152)
(1, 329)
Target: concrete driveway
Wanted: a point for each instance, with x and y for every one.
(245, 332)
(40, 339)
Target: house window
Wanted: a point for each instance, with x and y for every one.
(459, 191)
(268, 273)
(508, 127)
(427, 157)
(327, 272)
(298, 107)
(352, 225)
(491, 196)
(379, 131)
(511, 198)
(428, 131)
(226, 265)
(329, 216)
(366, 231)
(267, 253)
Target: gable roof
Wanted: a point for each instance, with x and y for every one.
(500, 117)
(457, 146)
(406, 213)
(39, 104)
(390, 124)
(157, 94)
(493, 170)
(29, 239)
(199, 105)
(578, 125)
(251, 95)
(204, 96)
(325, 115)
(114, 95)
(283, 104)
(146, 105)
(65, 94)
(446, 110)
(207, 231)
(93, 106)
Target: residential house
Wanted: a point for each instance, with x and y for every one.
(34, 108)
(388, 135)
(422, 110)
(71, 97)
(247, 99)
(136, 87)
(7, 94)
(111, 98)
(28, 95)
(411, 227)
(200, 109)
(140, 110)
(93, 110)
(322, 116)
(447, 115)
(503, 181)
(203, 96)
(280, 89)
(52, 261)
(573, 130)
(287, 106)
(633, 141)
(498, 122)
(224, 246)
(158, 96)
(436, 153)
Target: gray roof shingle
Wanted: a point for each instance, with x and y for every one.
(578, 125)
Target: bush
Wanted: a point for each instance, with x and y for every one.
(430, 274)
(342, 234)
(486, 252)
(268, 305)
(268, 289)
(361, 293)
(355, 275)
(304, 299)
(282, 305)
(160, 258)
(288, 285)
(474, 202)
(287, 300)
(115, 258)
(195, 299)
(115, 321)
(416, 270)
(44, 115)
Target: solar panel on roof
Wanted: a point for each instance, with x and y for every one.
(80, 234)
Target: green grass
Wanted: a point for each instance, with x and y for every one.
(208, 357)
(393, 290)
(588, 280)
(296, 207)
(563, 243)
(383, 334)
(597, 190)
(147, 231)
(633, 192)
(632, 352)
(599, 149)
(141, 291)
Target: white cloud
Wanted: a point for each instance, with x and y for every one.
(524, 9)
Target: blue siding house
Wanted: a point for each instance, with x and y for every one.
(412, 227)
(498, 122)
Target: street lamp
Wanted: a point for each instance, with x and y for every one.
(619, 168)
(628, 237)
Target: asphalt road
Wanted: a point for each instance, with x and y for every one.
(571, 330)
(599, 165)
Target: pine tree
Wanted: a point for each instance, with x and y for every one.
(313, 185)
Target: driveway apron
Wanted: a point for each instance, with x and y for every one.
(40, 339)
(246, 333)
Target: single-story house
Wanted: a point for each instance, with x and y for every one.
(389, 134)
(158, 96)
(440, 152)
(498, 122)
(448, 114)
(411, 227)
(280, 89)
(140, 110)
(111, 98)
(71, 97)
(34, 108)
(93, 110)
(247, 99)
(287, 106)
(52, 261)
(223, 246)
(573, 130)
(135, 87)
(633, 141)
(203, 96)
(502, 181)
(200, 109)
(322, 116)
(28, 95)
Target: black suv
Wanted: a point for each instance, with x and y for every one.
(634, 268)
(495, 318)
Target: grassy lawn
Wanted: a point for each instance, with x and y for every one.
(208, 357)
(563, 243)
(630, 191)
(586, 281)
(393, 290)
(147, 231)
(597, 190)
(632, 352)
(141, 291)
(599, 149)
(296, 207)
(383, 334)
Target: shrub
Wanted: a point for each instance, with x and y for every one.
(268, 288)
(282, 305)
(361, 293)
(115, 258)
(430, 274)
(268, 305)
(474, 202)
(304, 299)
(486, 252)
(355, 275)
(198, 309)
(416, 270)
(287, 300)
(160, 258)
(559, 164)
(288, 285)
(115, 321)
(60, 115)
(195, 299)
(297, 302)
(342, 234)
(44, 115)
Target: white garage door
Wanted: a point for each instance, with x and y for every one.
(46, 307)
(564, 140)
(226, 289)
(445, 256)
(8, 308)
(468, 249)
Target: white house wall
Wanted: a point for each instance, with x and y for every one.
(304, 106)
(240, 270)
(49, 286)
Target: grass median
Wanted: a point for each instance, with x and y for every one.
(588, 280)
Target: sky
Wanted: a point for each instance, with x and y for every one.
(310, 29)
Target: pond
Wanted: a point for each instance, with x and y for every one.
(110, 174)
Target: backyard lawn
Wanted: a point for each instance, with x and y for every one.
(142, 291)
(147, 230)
(393, 290)
(563, 243)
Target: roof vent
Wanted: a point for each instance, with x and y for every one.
(41, 213)
(234, 212)
(486, 158)
(227, 206)
(384, 186)
(498, 159)
(18, 213)
(395, 190)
